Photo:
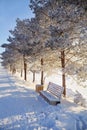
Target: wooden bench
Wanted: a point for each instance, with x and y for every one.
(53, 93)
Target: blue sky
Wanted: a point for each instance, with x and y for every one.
(10, 10)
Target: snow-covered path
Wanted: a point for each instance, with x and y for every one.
(21, 108)
(15, 103)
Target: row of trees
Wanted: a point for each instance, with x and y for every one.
(55, 38)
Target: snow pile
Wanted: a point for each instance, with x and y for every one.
(78, 99)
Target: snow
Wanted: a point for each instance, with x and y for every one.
(22, 108)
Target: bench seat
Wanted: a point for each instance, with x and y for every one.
(51, 99)
(53, 93)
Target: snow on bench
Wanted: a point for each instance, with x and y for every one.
(53, 93)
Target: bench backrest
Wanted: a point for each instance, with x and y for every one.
(55, 89)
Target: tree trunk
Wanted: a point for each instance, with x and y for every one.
(63, 73)
(10, 68)
(25, 68)
(42, 73)
(21, 72)
(33, 76)
(22, 61)
(25, 71)
(13, 70)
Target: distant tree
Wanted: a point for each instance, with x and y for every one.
(10, 59)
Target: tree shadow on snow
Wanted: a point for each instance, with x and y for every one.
(24, 109)
(18, 105)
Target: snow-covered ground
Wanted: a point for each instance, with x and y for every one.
(21, 108)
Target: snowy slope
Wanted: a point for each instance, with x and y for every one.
(21, 108)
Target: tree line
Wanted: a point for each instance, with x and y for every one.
(54, 39)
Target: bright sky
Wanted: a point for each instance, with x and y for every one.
(10, 10)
